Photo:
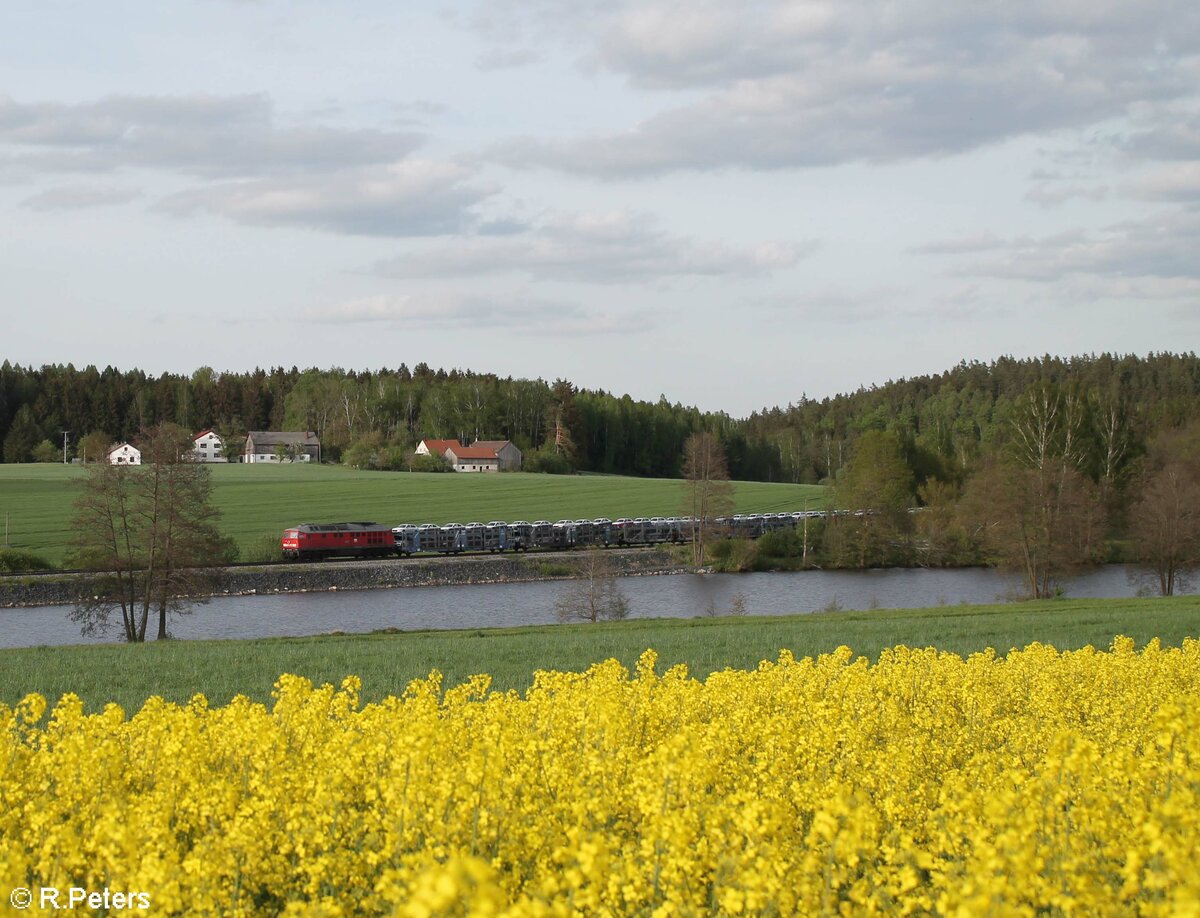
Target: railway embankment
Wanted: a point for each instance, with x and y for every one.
(63, 589)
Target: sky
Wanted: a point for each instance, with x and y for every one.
(730, 204)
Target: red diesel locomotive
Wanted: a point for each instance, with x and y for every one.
(315, 541)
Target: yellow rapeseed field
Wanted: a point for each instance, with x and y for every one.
(1036, 783)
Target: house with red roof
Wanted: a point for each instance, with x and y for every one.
(435, 447)
(207, 446)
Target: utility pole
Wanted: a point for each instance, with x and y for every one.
(65, 432)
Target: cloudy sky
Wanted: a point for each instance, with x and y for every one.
(731, 204)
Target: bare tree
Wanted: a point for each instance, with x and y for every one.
(1042, 522)
(1038, 512)
(566, 417)
(595, 596)
(1165, 525)
(148, 535)
(707, 492)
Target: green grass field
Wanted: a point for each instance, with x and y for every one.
(258, 502)
(387, 662)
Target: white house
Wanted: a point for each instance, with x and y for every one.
(208, 447)
(124, 454)
(297, 446)
(506, 451)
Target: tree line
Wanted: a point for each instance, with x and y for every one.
(946, 424)
(1068, 478)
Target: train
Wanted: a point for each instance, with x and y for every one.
(318, 541)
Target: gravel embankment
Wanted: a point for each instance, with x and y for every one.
(44, 590)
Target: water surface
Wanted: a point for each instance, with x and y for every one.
(507, 604)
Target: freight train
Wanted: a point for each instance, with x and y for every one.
(317, 541)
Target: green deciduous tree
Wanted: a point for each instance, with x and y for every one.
(876, 487)
(47, 452)
(94, 446)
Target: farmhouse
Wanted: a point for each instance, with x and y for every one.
(506, 451)
(124, 454)
(282, 446)
(207, 446)
(473, 459)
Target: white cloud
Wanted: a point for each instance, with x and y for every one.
(1159, 246)
(508, 58)
(462, 313)
(1049, 194)
(202, 135)
(974, 242)
(796, 84)
(412, 198)
(74, 197)
(1175, 182)
(612, 248)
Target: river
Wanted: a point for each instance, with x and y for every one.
(507, 604)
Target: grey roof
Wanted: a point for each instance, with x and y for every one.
(261, 438)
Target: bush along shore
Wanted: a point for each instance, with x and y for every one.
(66, 589)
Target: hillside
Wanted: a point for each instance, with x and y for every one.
(258, 501)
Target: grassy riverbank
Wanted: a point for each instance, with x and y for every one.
(387, 662)
(257, 502)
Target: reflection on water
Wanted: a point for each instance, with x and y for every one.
(507, 604)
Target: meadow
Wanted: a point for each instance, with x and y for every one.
(387, 662)
(257, 502)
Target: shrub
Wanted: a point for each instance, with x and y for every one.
(15, 561)
(263, 549)
(547, 462)
(417, 463)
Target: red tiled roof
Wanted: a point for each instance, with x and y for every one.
(437, 447)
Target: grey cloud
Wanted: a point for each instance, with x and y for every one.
(438, 310)
(854, 306)
(1175, 182)
(230, 136)
(595, 248)
(411, 198)
(1169, 134)
(813, 84)
(1162, 246)
(977, 242)
(508, 59)
(1051, 194)
(74, 197)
